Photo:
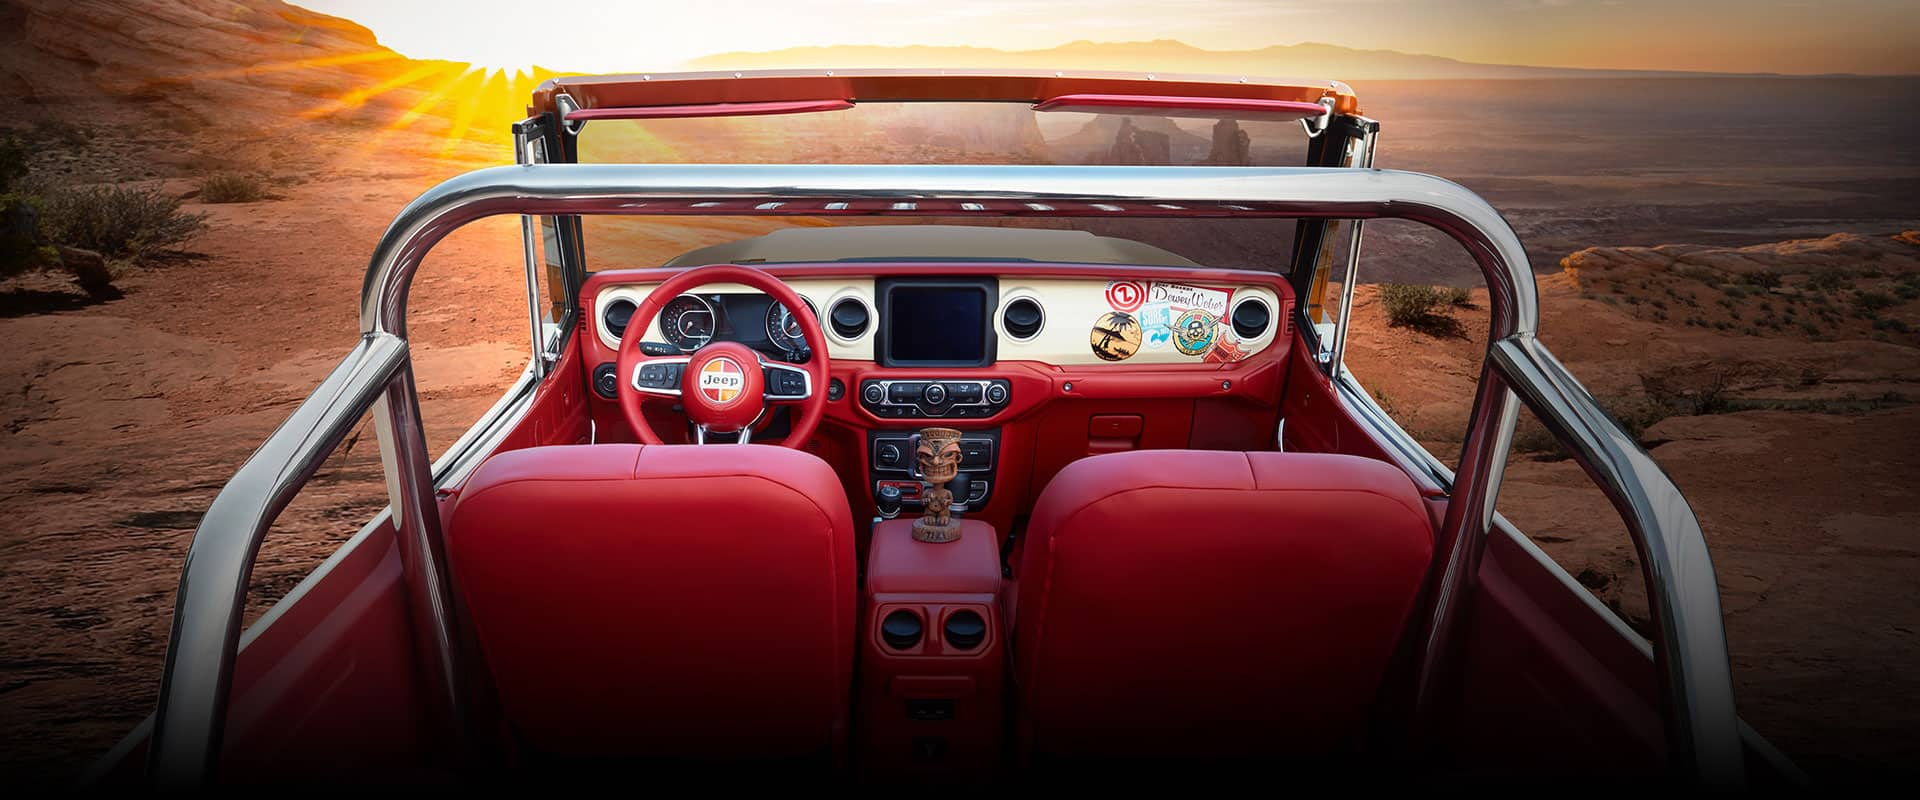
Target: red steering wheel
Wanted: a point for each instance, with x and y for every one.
(724, 386)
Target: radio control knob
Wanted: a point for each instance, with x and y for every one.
(934, 394)
(996, 393)
(873, 394)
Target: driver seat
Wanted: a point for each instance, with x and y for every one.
(665, 603)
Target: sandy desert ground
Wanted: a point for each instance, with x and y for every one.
(126, 416)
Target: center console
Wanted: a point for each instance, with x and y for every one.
(932, 661)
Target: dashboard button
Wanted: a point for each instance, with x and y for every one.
(976, 453)
(873, 394)
(934, 394)
(889, 456)
(996, 393)
(964, 392)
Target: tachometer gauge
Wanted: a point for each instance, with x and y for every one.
(783, 329)
(687, 322)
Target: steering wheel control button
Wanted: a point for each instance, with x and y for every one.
(965, 629)
(659, 377)
(785, 383)
(901, 630)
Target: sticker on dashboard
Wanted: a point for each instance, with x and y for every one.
(1125, 295)
(1115, 336)
(1194, 331)
(1226, 348)
(1181, 296)
(1156, 322)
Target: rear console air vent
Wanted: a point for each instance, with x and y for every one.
(848, 318)
(616, 316)
(1251, 318)
(1022, 319)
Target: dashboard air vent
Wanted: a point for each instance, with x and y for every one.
(1022, 319)
(849, 318)
(616, 316)
(1251, 318)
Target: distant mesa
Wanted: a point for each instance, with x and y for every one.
(1305, 60)
(1840, 251)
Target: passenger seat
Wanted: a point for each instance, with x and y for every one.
(1208, 604)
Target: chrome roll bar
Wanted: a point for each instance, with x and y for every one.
(1702, 728)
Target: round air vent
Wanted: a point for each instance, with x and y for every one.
(1251, 318)
(616, 316)
(1022, 319)
(849, 318)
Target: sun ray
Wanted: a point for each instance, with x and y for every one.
(359, 97)
(304, 63)
(463, 118)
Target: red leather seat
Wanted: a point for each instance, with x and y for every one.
(1213, 604)
(662, 602)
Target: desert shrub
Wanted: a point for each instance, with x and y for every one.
(1829, 280)
(1890, 324)
(1872, 302)
(233, 187)
(1457, 297)
(1706, 275)
(1411, 305)
(62, 132)
(1763, 280)
(1691, 391)
(119, 221)
(1906, 291)
(1812, 328)
(13, 163)
(20, 250)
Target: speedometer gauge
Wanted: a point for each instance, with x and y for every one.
(687, 322)
(783, 329)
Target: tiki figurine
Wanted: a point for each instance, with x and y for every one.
(937, 457)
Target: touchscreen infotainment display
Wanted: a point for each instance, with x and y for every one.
(937, 325)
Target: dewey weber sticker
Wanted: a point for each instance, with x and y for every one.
(1182, 297)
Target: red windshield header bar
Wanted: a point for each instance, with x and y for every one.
(708, 110)
(1169, 106)
(753, 87)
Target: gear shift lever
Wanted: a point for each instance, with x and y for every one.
(886, 502)
(958, 486)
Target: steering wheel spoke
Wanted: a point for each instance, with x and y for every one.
(786, 383)
(659, 376)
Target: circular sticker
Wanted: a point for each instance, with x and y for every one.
(1116, 336)
(1194, 331)
(1126, 295)
(722, 379)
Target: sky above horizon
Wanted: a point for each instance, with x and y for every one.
(1863, 36)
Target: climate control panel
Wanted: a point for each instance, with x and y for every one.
(935, 398)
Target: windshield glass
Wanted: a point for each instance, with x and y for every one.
(943, 133)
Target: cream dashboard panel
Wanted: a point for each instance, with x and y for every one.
(823, 293)
(1084, 322)
(1133, 321)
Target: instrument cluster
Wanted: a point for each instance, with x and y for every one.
(691, 321)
